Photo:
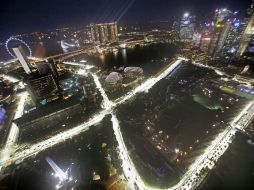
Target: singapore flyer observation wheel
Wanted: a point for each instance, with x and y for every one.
(15, 41)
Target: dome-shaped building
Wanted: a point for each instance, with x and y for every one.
(133, 70)
(113, 78)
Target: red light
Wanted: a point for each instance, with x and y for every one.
(206, 39)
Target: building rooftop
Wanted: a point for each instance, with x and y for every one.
(47, 110)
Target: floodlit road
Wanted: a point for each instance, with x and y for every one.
(216, 149)
(12, 79)
(107, 104)
(149, 83)
(128, 166)
(61, 137)
(193, 177)
(84, 66)
(196, 172)
(14, 131)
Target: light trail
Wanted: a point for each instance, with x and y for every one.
(14, 131)
(87, 67)
(58, 56)
(222, 141)
(52, 141)
(128, 166)
(35, 59)
(9, 61)
(149, 83)
(215, 150)
(13, 80)
(107, 104)
(189, 181)
(10, 78)
(61, 137)
(219, 72)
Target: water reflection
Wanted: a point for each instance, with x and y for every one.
(124, 56)
(102, 58)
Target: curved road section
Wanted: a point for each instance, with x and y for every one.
(197, 171)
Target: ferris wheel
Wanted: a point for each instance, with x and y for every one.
(16, 41)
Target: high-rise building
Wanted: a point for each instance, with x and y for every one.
(233, 40)
(206, 36)
(205, 42)
(42, 88)
(52, 65)
(197, 38)
(222, 34)
(248, 32)
(104, 33)
(221, 15)
(19, 52)
(42, 85)
(43, 68)
(187, 27)
(220, 31)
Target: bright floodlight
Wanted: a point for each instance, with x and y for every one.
(186, 14)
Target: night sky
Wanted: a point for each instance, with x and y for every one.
(20, 16)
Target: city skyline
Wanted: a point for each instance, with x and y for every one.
(30, 16)
(127, 95)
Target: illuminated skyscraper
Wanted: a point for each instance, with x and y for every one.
(205, 43)
(221, 15)
(220, 38)
(220, 31)
(187, 27)
(19, 52)
(206, 36)
(232, 43)
(42, 85)
(104, 33)
(196, 38)
(42, 88)
(248, 32)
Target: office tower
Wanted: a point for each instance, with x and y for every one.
(205, 42)
(43, 68)
(221, 38)
(104, 33)
(221, 15)
(42, 88)
(206, 36)
(176, 26)
(19, 52)
(53, 68)
(233, 40)
(48, 67)
(248, 32)
(176, 29)
(187, 27)
(217, 32)
(196, 38)
(220, 31)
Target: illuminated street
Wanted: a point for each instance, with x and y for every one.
(34, 149)
(14, 132)
(127, 95)
(188, 181)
